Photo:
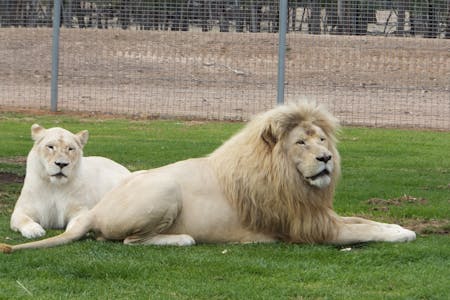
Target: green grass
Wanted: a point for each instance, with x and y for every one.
(377, 163)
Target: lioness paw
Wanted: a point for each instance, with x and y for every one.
(32, 230)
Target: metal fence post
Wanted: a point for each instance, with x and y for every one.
(282, 49)
(55, 55)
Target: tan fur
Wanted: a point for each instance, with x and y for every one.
(274, 180)
(265, 186)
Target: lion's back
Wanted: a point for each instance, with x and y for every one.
(103, 173)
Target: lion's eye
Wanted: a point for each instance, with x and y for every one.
(71, 148)
(301, 142)
(322, 139)
(50, 147)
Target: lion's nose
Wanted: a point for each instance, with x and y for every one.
(325, 158)
(61, 164)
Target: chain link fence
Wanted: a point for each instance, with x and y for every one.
(373, 63)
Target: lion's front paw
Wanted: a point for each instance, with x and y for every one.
(400, 234)
(408, 235)
(32, 230)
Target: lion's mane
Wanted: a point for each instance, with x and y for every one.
(265, 187)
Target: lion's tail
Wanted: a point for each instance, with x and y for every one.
(75, 231)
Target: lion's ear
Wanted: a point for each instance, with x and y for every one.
(36, 131)
(83, 136)
(269, 137)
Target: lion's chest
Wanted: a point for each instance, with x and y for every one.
(55, 207)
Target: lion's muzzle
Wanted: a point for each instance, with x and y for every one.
(61, 164)
(324, 172)
(324, 158)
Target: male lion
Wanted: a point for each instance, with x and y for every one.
(60, 183)
(272, 181)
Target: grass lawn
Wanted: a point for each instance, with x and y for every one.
(400, 176)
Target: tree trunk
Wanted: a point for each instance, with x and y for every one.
(362, 13)
(314, 20)
(254, 16)
(341, 25)
(124, 14)
(223, 13)
(401, 8)
(432, 21)
(293, 17)
(447, 28)
(238, 16)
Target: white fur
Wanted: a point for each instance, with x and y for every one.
(53, 201)
(274, 180)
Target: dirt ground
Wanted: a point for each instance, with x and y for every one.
(371, 81)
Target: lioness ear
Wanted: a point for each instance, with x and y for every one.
(36, 131)
(83, 136)
(268, 136)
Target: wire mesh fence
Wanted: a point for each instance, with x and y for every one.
(374, 63)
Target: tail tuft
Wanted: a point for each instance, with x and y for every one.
(5, 248)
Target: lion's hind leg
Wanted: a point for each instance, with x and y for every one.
(161, 240)
(152, 233)
(150, 226)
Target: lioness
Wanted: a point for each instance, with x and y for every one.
(272, 181)
(60, 183)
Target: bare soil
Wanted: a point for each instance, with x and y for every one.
(384, 204)
(371, 81)
(6, 178)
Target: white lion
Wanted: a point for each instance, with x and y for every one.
(273, 181)
(60, 183)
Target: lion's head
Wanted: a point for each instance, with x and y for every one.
(56, 152)
(308, 149)
(280, 172)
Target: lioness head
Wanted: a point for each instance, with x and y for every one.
(306, 137)
(58, 151)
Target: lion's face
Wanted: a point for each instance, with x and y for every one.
(59, 151)
(308, 149)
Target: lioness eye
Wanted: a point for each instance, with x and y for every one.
(301, 142)
(71, 148)
(50, 147)
(322, 139)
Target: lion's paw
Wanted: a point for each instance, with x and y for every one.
(185, 240)
(400, 234)
(172, 239)
(32, 230)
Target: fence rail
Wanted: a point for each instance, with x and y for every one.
(374, 63)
